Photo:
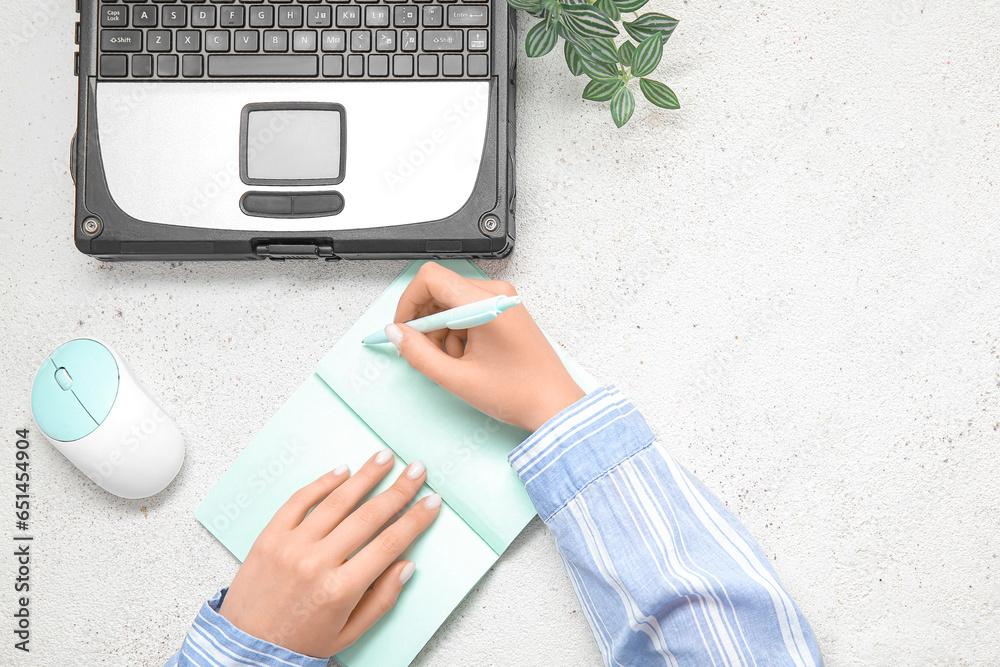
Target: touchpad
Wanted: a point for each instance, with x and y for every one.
(294, 143)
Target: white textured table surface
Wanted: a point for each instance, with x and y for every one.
(794, 277)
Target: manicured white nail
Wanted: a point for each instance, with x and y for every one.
(384, 456)
(340, 470)
(415, 469)
(432, 502)
(407, 572)
(394, 334)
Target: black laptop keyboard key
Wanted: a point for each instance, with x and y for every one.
(114, 65)
(290, 17)
(166, 66)
(405, 16)
(174, 17)
(114, 41)
(203, 17)
(281, 39)
(256, 66)
(334, 40)
(247, 41)
(333, 66)
(348, 17)
(275, 40)
(385, 41)
(142, 65)
(361, 41)
(442, 40)
(427, 65)
(378, 65)
(232, 17)
(463, 16)
(262, 17)
(217, 41)
(188, 41)
(432, 16)
(193, 66)
(377, 16)
(320, 17)
(159, 41)
(304, 41)
(144, 16)
(355, 65)
(114, 16)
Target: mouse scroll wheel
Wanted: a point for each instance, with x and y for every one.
(63, 379)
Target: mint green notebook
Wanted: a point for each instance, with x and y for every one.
(358, 400)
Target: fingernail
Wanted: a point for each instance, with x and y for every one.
(340, 470)
(414, 470)
(432, 502)
(407, 572)
(384, 456)
(394, 334)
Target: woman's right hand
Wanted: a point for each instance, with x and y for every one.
(506, 368)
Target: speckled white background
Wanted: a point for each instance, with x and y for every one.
(794, 277)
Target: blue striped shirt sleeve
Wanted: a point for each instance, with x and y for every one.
(665, 573)
(215, 642)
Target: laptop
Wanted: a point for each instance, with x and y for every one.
(295, 129)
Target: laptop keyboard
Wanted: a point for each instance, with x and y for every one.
(304, 39)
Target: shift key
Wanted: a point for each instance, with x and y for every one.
(442, 40)
(121, 40)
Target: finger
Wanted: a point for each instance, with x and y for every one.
(380, 553)
(295, 508)
(374, 604)
(329, 513)
(427, 357)
(454, 344)
(368, 519)
(437, 337)
(436, 288)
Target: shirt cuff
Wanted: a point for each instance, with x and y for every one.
(213, 640)
(577, 446)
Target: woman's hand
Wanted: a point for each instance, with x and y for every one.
(301, 588)
(505, 368)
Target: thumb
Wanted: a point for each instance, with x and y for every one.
(424, 356)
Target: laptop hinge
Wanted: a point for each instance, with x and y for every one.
(280, 251)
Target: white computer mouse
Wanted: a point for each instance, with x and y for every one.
(87, 402)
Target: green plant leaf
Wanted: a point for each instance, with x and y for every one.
(570, 35)
(588, 21)
(609, 9)
(540, 39)
(630, 5)
(622, 106)
(601, 91)
(526, 5)
(659, 94)
(625, 53)
(650, 24)
(574, 58)
(647, 55)
(602, 51)
(604, 71)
